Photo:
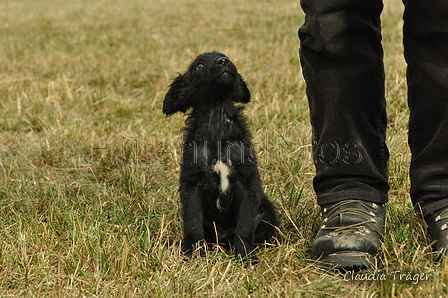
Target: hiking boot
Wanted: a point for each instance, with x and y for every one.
(438, 229)
(350, 235)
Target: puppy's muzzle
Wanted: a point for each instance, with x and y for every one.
(223, 61)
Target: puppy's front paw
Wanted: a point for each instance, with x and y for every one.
(199, 247)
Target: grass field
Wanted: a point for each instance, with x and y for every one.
(89, 164)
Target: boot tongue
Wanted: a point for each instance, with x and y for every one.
(350, 214)
(349, 218)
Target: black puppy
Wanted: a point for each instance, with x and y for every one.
(220, 187)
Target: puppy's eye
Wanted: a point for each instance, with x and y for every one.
(199, 66)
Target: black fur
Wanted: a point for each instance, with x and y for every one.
(216, 141)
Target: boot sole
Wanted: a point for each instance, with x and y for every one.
(347, 261)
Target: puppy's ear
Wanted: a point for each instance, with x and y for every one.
(243, 93)
(175, 100)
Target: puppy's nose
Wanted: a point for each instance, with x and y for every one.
(223, 61)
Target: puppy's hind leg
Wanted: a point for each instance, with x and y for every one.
(268, 221)
(246, 224)
(193, 217)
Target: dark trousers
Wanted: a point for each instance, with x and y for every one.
(342, 61)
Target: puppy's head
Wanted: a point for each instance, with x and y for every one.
(211, 77)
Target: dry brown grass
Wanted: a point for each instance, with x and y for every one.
(88, 163)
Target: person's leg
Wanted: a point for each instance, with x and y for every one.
(342, 62)
(426, 52)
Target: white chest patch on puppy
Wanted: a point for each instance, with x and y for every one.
(223, 171)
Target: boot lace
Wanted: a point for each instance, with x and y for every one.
(357, 228)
